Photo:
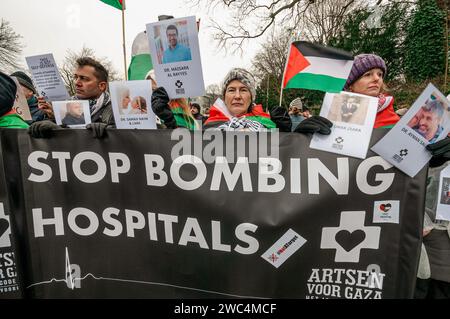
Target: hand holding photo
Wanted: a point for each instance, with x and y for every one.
(131, 103)
(174, 48)
(353, 116)
(74, 114)
(350, 109)
(426, 122)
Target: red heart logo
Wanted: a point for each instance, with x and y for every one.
(385, 207)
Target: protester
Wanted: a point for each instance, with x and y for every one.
(433, 276)
(91, 83)
(31, 95)
(296, 112)
(8, 91)
(174, 113)
(239, 112)
(196, 113)
(366, 77)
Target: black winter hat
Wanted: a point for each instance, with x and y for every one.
(8, 90)
(25, 80)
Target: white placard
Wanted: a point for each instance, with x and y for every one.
(443, 198)
(176, 56)
(46, 77)
(427, 121)
(74, 114)
(131, 103)
(353, 116)
(21, 105)
(283, 248)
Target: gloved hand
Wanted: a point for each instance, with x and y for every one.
(279, 115)
(440, 151)
(42, 129)
(160, 106)
(98, 129)
(315, 124)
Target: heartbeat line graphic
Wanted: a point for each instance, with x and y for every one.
(70, 281)
(69, 271)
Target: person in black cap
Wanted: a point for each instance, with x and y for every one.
(196, 112)
(8, 117)
(31, 95)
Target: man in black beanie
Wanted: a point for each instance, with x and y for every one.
(8, 117)
(31, 95)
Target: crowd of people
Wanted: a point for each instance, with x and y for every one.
(237, 111)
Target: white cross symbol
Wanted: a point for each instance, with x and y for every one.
(4, 238)
(350, 222)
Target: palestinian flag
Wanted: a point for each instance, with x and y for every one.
(119, 4)
(180, 111)
(141, 61)
(315, 67)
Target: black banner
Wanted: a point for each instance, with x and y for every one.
(129, 216)
(11, 194)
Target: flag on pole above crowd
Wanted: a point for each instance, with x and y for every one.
(141, 61)
(315, 67)
(119, 4)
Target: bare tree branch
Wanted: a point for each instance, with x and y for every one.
(318, 20)
(69, 65)
(10, 47)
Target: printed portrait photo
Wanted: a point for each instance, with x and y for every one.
(131, 104)
(72, 113)
(128, 103)
(445, 194)
(172, 42)
(348, 109)
(428, 120)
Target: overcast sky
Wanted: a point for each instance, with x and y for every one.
(53, 26)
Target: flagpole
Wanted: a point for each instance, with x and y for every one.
(291, 40)
(281, 95)
(124, 42)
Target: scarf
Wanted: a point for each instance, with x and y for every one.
(383, 102)
(242, 124)
(386, 116)
(219, 116)
(97, 104)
